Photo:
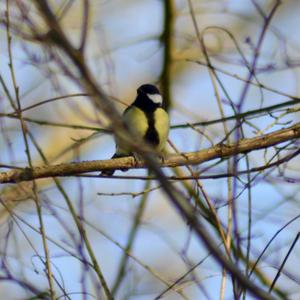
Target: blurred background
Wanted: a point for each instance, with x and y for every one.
(129, 43)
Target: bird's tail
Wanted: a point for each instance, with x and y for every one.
(111, 172)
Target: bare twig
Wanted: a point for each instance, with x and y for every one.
(190, 158)
(284, 261)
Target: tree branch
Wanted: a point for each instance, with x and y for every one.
(190, 158)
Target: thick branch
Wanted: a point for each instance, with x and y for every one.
(190, 158)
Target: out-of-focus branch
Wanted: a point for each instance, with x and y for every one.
(190, 158)
(56, 38)
(167, 41)
(85, 24)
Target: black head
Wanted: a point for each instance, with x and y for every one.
(149, 93)
(148, 89)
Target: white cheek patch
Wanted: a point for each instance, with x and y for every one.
(156, 98)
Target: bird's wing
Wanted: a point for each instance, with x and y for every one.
(162, 125)
(137, 123)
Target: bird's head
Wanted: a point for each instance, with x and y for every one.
(151, 92)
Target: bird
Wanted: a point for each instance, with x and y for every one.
(146, 119)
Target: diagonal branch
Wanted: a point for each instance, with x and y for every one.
(189, 158)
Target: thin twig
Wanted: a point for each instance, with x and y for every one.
(190, 158)
(284, 261)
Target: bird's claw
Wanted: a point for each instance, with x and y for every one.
(137, 160)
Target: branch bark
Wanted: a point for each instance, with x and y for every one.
(190, 158)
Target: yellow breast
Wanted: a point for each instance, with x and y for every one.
(137, 122)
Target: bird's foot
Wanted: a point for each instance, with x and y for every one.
(137, 160)
(162, 158)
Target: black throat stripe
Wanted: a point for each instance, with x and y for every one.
(151, 136)
(148, 107)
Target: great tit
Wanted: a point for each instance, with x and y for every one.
(147, 120)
